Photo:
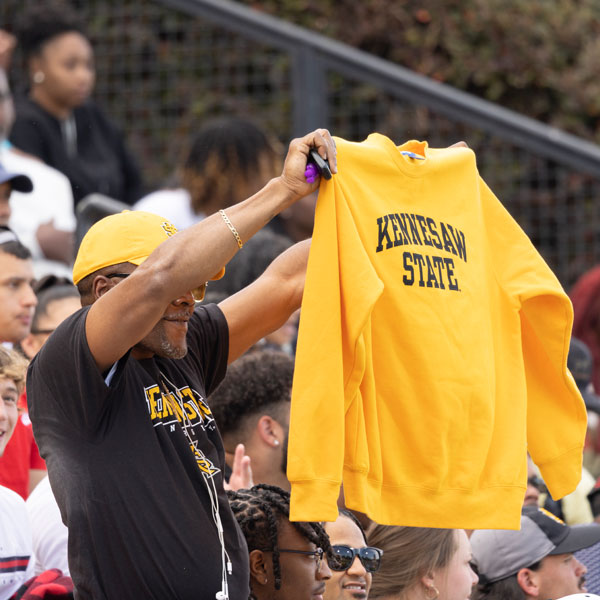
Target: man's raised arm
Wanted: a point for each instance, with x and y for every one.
(267, 303)
(123, 314)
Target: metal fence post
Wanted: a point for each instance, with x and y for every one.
(309, 91)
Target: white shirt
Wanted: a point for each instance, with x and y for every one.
(50, 536)
(174, 205)
(16, 560)
(51, 199)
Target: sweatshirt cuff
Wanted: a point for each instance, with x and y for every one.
(563, 474)
(314, 500)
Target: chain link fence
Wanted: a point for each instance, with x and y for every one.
(163, 67)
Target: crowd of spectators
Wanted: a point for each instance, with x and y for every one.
(57, 149)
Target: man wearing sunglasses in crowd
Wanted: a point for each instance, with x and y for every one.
(352, 562)
(117, 394)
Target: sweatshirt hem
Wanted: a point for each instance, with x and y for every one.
(494, 507)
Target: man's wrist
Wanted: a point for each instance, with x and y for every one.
(282, 190)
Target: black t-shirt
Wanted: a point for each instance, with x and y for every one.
(102, 163)
(129, 486)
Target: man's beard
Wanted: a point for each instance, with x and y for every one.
(170, 351)
(165, 349)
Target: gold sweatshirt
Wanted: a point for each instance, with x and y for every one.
(432, 349)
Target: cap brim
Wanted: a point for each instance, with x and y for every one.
(578, 538)
(20, 183)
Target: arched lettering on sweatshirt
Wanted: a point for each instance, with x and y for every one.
(421, 268)
(405, 229)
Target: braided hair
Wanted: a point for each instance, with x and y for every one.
(258, 512)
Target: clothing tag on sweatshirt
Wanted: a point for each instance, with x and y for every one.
(411, 154)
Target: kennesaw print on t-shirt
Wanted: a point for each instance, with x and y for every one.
(165, 410)
(404, 229)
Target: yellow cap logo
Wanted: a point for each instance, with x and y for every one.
(169, 228)
(552, 516)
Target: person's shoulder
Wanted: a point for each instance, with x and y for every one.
(39, 494)
(10, 501)
(77, 319)
(91, 111)
(26, 108)
(61, 340)
(207, 327)
(207, 313)
(34, 168)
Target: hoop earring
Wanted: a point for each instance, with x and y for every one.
(434, 590)
(38, 77)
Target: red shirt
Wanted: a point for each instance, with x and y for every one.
(20, 455)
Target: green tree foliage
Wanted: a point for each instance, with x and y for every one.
(538, 57)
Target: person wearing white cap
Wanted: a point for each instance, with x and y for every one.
(534, 562)
(8, 183)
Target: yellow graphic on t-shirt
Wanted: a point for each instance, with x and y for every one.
(188, 407)
(204, 464)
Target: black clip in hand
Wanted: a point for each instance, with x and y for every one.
(321, 164)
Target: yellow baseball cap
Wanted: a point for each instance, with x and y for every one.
(130, 236)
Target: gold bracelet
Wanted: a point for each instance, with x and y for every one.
(236, 235)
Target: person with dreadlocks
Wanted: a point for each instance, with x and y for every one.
(229, 159)
(286, 558)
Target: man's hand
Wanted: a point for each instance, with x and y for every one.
(241, 471)
(295, 162)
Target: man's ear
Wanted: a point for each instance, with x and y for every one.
(101, 285)
(259, 569)
(528, 582)
(270, 431)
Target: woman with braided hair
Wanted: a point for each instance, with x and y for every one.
(287, 559)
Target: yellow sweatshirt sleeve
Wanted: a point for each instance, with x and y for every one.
(556, 414)
(330, 357)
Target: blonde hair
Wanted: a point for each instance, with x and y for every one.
(13, 366)
(409, 553)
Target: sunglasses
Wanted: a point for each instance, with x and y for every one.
(197, 293)
(342, 557)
